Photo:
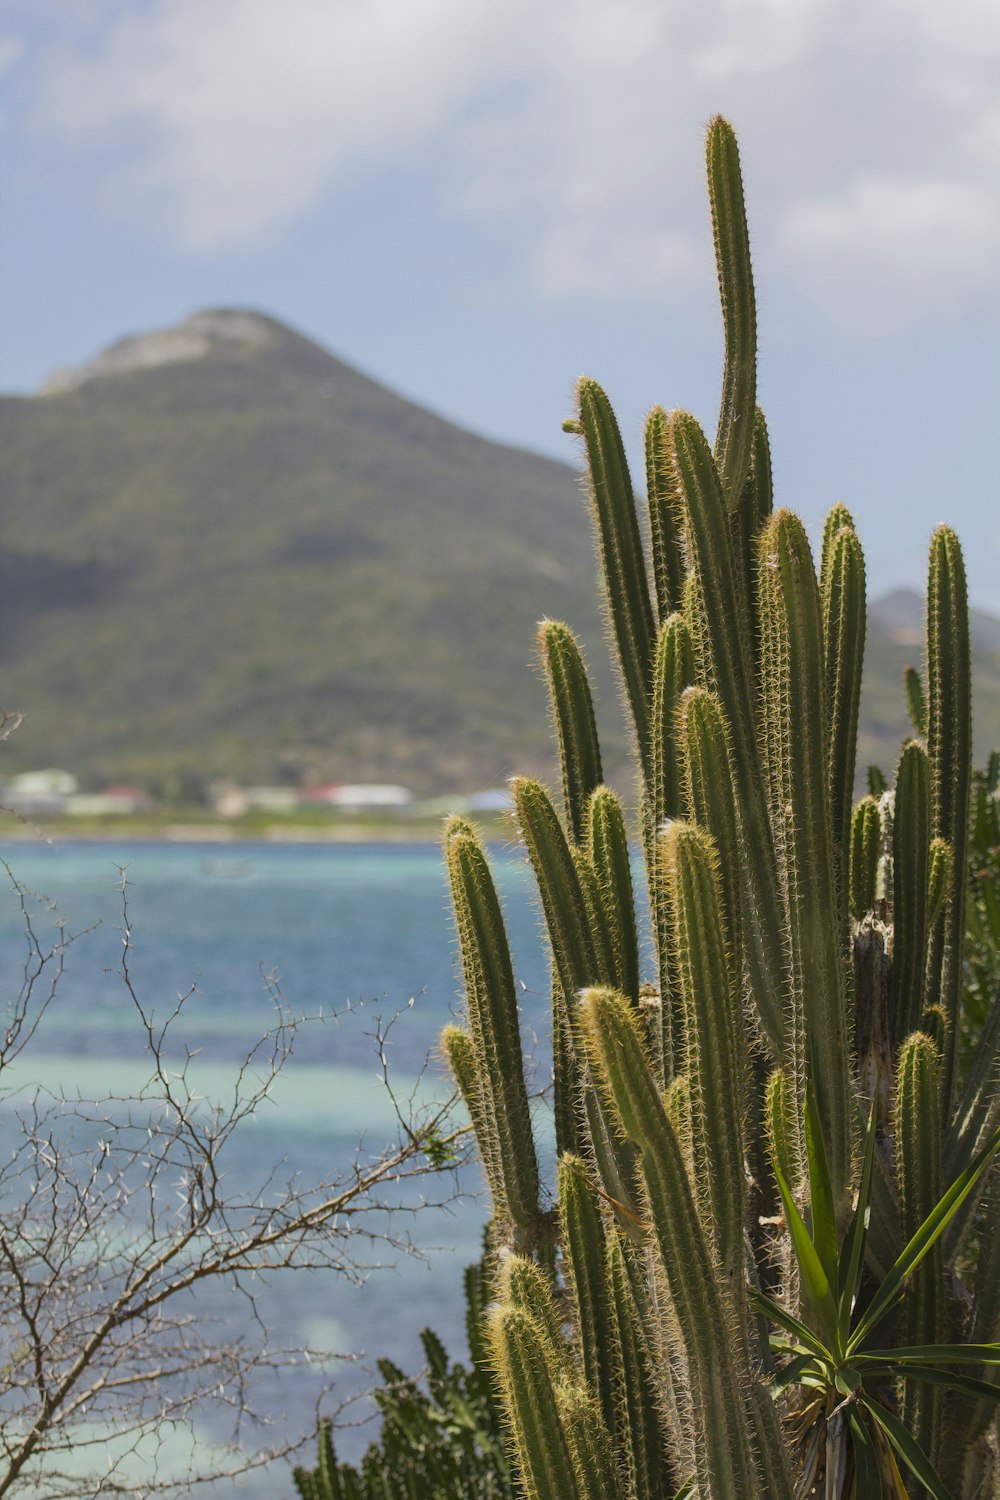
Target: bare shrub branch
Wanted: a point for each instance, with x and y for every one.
(115, 1214)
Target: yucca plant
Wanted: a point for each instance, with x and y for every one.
(771, 1263)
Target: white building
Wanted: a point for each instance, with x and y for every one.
(375, 796)
(39, 793)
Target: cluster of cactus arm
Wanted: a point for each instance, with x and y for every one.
(770, 1266)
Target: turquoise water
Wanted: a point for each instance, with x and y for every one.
(359, 926)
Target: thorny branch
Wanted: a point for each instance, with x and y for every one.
(112, 1214)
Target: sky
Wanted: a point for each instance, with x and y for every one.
(477, 203)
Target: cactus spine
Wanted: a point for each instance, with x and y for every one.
(806, 974)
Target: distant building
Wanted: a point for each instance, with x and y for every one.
(324, 793)
(233, 801)
(373, 797)
(50, 783)
(493, 800)
(114, 801)
(37, 794)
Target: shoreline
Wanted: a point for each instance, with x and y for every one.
(224, 834)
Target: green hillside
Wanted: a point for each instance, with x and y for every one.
(224, 552)
(258, 562)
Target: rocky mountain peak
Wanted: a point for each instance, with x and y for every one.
(196, 337)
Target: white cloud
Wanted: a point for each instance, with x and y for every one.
(981, 141)
(238, 114)
(894, 242)
(571, 128)
(970, 27)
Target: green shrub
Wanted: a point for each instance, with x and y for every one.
(439, 1443)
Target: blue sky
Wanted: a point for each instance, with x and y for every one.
(477, 203)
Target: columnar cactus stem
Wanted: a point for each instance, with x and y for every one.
(759, 486)
(866, 851)
(911, 838)
(940, 881)
(630, 612)
(714, 1035)
(709, 798)
(583, 1237)
(794, 750)
(494, 1028)
(605, 964)
(783, 1127)
(722, 653)
(842, 591)
(673, 672)
(918, 1150)
(724, 1444)
(573, 718)
(523, 1285)
(528, 1373)
(949, 744)
(576, 963)
(661, 498)
(720, 646)
(562, 902)
(460, 1053)
(590, 1444)
(609, 851)
(837, 517)
(573, 958)
(756, 504)
(639, 1419)
(734, 439)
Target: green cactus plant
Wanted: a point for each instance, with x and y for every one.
(744, 1290)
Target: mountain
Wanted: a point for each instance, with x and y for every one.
(225, 552)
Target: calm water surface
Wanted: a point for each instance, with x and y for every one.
(332, 925)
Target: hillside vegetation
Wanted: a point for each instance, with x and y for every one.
(225, 552)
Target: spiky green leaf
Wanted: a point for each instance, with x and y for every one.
(923, 1241)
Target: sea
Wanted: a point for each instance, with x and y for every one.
(354, 936)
